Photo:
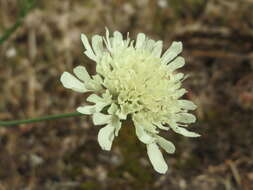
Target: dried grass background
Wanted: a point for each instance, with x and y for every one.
(64, 154)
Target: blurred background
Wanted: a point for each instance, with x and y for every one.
(41, 39)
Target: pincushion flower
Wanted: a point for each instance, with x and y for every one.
(134, 81)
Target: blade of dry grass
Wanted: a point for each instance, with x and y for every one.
(26, 8)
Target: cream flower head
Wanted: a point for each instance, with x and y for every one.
(135, 81)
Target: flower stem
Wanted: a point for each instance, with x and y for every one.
(38, 119)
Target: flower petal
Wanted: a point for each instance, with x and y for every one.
(97, 44)
(100, 102)
(160, 125)
(106, 98)
(100, 105)
(179, 93)
(150, 127)
(177, 77)
(105, 137)
(140, 40)
(81, 73)
(142, 135)
(89, 52)
(166, 145)
(113, 109)
(157, 50)
(86, 109)
(98, 79)
(95, 83)
(107, 40)
(185, 118)
(156, 158)
(94, 98)
(101, 119)
(69, 81)
(175, 49)
(117, 40)
(121, 115)
(149, 45)
(116, 124)
(176, 64)
(186, 104)
(182, 131)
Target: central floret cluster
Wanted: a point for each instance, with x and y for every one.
(134, 80)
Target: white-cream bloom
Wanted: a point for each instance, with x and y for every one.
(134, 80)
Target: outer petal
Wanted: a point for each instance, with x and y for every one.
(107, 40)
(160, 125)
(100, 102)
(88, 110)
(69, 81)
(89, 52)
(113, 109)
(149, 45)
(140, 40)
(157, 49)
(142, 135)
(100, 105)
(98, 79)
(81, 73)
(179, 93)
(94, 98)
(116, 124)
(186, 104)
(95, 83)
(117, 39)
(156, 158)
(185, 118)
(183, 131)
(175, 49)
(166, 145)
(178, 77)
(121, 115)
(105, 137)
(150, 127)
(97, 44)
(176, 64)
(101, 119)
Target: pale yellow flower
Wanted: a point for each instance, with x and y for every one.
(134, 80)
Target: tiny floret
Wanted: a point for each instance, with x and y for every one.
(134, 80)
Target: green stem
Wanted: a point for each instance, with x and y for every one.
(45, 118)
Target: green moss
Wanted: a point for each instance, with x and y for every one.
(89, 185)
